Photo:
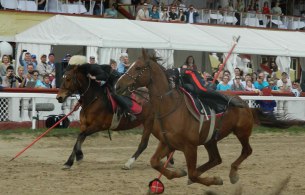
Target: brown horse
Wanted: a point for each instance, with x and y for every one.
(177, 129)
(97, 114)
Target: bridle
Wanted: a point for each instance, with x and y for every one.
(140, 74)
(76, 82)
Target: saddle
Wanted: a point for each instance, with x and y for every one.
(135, 107)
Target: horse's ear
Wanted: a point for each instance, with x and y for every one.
(144, 54)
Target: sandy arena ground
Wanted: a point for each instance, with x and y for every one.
(38, 170)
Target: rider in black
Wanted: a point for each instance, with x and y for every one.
(192, 81)
(105, 75)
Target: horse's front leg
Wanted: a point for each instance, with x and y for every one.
(155, 161)
(190, 153)
(76, 152)
(142, 146)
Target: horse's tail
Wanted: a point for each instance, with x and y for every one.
(271, 120)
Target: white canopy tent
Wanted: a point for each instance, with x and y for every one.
(109, 36)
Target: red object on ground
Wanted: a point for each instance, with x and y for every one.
(156, 186)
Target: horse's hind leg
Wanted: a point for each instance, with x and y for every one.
(246, 151)
(214, 157)
(155, 161)
(190, 154)
(76, 152)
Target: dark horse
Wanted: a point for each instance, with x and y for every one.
(97, 114)
(177, 129)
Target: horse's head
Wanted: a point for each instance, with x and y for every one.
(138, 75)
(71, 80)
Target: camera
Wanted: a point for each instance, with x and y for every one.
(24, 50)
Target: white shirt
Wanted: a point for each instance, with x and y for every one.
(191, 18)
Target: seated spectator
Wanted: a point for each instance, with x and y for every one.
(228, 74)
(20, 77)
(143, 13)
(181, 16)
(113, 64)
(260, 83)
(237, 72)
(284, 84)
(154, 14)
(124, 64)
(26, 60)
(43, 67)
(272, 84)
(248, 77)
(92, 60)
(224, 85)
(172, 15)
(237, 85)
(9, 80)
(164, 15)
(111, 12)
(32, 79)
(277, 10)
(191, 15)
(45, 83)
(190, 63)
(250, 87)
(296, 88)
(51, 62)
(4, 64)
(254, 76)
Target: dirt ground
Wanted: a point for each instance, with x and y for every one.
(38, 171)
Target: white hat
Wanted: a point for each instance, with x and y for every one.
(77, 60)
(124, 54)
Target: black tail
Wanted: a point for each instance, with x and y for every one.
(270, 120)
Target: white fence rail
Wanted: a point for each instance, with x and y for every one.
(22, 106)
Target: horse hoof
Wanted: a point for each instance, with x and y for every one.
(126, 167)
(234, 179)
(218, 181)
(66, 167)
(128, 164)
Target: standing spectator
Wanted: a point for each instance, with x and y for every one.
(274, 69)
(284, 84)
(191, 15)
(124, 65)
(92, 60)
(111, 12)
(113, 64)
(51, 63)
(34, 61)
(190, 63)
(4, 64)
(9, 80)
(32, 79)
(41, 5)
(27, 60)
(240, 7)
(143, 13)
(20, 77)
(266, 9)
(260, 83)
(43, 67)
(237, 85)
(164, 15)
(154, 14)
(224, 85)
(277, 10)
(172, 15)
(45, 83)
(254, 76)
(181, 16)
(249, 86)
(247, 78)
